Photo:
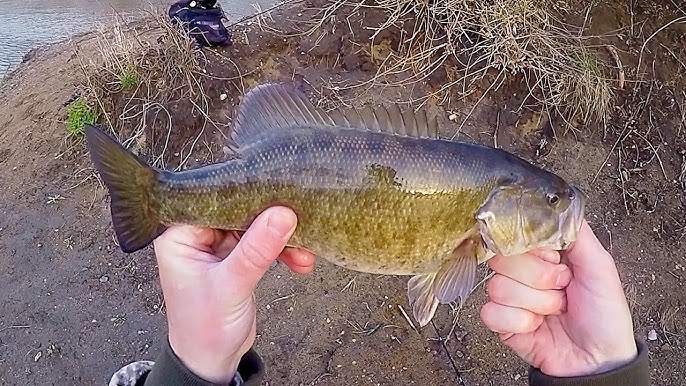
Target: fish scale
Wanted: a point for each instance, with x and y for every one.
(353, 216)
(375, 190)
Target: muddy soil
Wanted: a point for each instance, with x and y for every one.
(76, 308)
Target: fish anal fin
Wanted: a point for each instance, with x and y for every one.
(421, 298)
(457, 276)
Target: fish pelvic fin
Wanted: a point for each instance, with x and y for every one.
(129, 181)
(457, 276)
(423, 301)
(454, 280)
(274, 106)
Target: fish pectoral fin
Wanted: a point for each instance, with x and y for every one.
(422, 299)
(457, 276)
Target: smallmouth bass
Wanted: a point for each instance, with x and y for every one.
(375, 190)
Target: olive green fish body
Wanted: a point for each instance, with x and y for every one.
(367, 201)
(375, 190)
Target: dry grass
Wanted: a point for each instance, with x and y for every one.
(682, 174)
(477, 40)
(134, 78)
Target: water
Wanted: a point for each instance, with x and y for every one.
(29, 23)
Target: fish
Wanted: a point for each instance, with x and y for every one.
(375, 189)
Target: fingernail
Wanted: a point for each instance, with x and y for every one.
(563, 278)
(280, 222)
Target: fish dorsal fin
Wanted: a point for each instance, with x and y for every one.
(273, 106)
(276, 106)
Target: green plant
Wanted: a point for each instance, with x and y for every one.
(78, 115)
(128, 78)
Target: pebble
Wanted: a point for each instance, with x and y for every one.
(652, 335)
(223, 96)
(104, 279)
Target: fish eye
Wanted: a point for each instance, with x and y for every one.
(553, 199)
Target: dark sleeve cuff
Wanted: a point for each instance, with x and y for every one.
(170, 371)
(634, 373)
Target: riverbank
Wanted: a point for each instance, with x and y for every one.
(77, 308)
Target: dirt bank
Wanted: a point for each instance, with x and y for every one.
(76, 308)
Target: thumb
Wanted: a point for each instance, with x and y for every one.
(589, 258)
(259, 247)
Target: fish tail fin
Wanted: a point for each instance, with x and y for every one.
(129, 181)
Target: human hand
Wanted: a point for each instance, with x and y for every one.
(568, 319)
(208, 278)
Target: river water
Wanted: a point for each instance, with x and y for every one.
(25, 24)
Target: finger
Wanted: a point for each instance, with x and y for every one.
(594, 268)
(508, 292)
(503, 319)
(191, 236)
(181, 243)
(549, 255)
(532, 271)
(298, 260)
(225, 244)
(259, 247)
(587, 251)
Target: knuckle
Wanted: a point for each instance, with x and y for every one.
(546, 277)
(257, 253)
(552, 302)
(497, 289)
(495, 263)
(529, 321)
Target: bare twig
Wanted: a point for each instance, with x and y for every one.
(640, 56)
(467, 40)
(620, 75)
(409, 321)
(682, 174)
(12, 327)
(133, 83)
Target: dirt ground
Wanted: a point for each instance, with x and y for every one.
(76, 308)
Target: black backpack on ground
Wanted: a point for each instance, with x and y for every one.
(202, 20)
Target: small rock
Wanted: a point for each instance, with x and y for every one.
(223, 96)
(452, 117)
(517, 376)
(460, 335)
(104, 279)
(652, 335)
(37, 357)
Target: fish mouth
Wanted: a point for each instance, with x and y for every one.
(571, 219)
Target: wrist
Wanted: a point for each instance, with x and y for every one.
(620, 358)
(634, 372)
(218, 369)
